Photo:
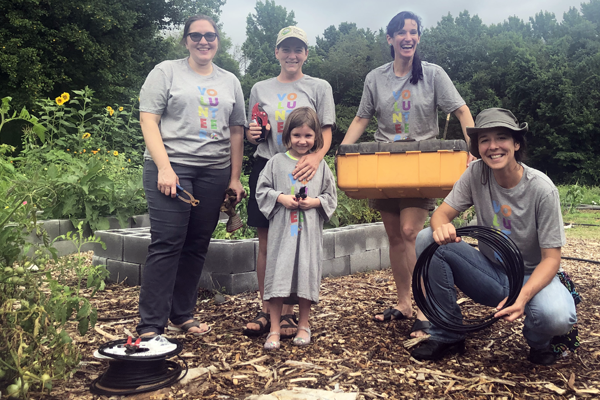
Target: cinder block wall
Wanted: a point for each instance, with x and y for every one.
(231, 264)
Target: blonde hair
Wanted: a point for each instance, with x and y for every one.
(303, 116)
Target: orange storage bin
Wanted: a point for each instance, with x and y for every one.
(426, 169)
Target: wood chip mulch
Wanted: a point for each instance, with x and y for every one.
(352, 353)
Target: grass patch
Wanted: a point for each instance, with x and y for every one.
(590, 217)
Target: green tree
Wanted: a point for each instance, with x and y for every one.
(53, 46)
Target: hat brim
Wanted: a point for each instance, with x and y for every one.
(472, 131)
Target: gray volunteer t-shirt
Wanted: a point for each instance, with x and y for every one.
(404, 110)
(196, 112)
(528, 213)
(280, 99)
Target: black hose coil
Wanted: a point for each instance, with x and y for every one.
(512, 264)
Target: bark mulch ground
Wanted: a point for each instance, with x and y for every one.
(352, 353)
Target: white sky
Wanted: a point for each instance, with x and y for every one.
(314, 16)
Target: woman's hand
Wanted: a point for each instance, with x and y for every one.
(288, 201)
(167, 181)
(306, 167)
(446, 233)
(239, 190)
(308, 203)
(510, 313)
(254, 131)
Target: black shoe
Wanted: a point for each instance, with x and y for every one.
(545, 356)
(433, 350)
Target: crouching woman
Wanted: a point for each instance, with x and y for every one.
(521, 202)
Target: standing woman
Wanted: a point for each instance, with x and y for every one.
(404, 96)
(279, 96)
(192, 115)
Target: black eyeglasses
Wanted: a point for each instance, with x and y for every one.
(209, 36)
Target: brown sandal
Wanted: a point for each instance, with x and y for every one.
(264, 328)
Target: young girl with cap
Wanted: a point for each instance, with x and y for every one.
(278, 97)
(520, 202)
(296, 210)
(404, 95)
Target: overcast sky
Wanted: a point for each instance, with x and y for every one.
(314, 16)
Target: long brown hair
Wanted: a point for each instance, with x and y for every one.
(303, 116)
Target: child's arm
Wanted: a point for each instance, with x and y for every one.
(288, 201)
(308, 203)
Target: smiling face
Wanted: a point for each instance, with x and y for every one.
(302, 140)
(405, 40)
(202, 52)
(291, 54)
(497, 149)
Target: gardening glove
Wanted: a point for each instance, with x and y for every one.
(234, 222)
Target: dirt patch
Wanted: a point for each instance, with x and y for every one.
(355, 354)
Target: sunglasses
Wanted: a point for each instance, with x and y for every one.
(209, 36)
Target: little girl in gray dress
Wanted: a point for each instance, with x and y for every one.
(296, 212)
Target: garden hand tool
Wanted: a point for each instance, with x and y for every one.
(192, 200)
(228, 207)
(260, 117)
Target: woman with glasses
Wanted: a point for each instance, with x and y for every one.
(192, 116)
(278, 97)
(404, 95)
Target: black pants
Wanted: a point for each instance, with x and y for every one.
(180, 238)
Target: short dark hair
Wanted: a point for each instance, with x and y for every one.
(303, 116)
(396, 24)
(194, 18)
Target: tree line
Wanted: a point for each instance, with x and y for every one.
(546, 72)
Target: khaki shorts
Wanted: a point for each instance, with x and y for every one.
(397, 205)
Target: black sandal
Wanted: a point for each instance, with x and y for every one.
(290, 321)
(420, 326)
(264, 328)
(388, 314)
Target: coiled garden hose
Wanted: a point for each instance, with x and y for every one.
(435, 310)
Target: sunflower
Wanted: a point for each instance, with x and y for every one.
(120, 108)
(65, 96)
(59, 100)
(115, 153)
(86, 135)
(110, 110)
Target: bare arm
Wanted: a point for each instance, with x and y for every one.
(441, 225)
(355, 130)
(236, 137)
(466, 120)
(540, 278)
(167, 179)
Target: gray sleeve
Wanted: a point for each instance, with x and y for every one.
(251, 102)
(461, 196)
(238, 114)
(550, 228)
(155, 92)
(266, 195)
(366, 109)
(448, 98)
(328, 196)
(326, 105)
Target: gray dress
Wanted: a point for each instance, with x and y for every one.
(295, 242)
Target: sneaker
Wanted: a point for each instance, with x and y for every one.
(545, 356)
(434, 350)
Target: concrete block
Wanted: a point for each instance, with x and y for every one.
(339, 266)
(121, 271)
(64, 248)
(140, 221)
(375, 236)
(99, 260)
(114, 223)
(328, 245)
(365, 261)
(135, 247)
(349, 240)
(52, 227)
(236, 283)
(385, 258)
(230, 256)
(114, 245)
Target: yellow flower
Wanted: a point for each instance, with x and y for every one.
(129, 160)
(98, 149)
(86, 135)
(59, 100)
(106, 160)
(5, 207)
(94, 151)
(115, 153)
(120, 108)
(110, 110)
(75, 152)
(65, 96)
(68, 150)
(84, 150)
(122, 167)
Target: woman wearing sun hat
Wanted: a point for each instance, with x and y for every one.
(278, 97)
(520, 202)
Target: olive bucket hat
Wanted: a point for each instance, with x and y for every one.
(494, 118)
